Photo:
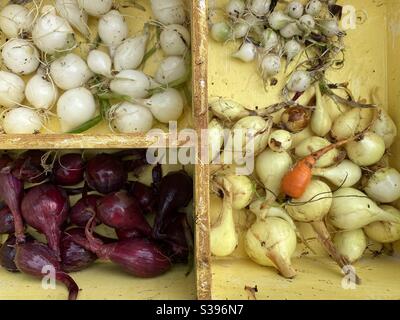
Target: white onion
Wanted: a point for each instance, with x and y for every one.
(75, 107)
(96, 8)
(215, 139)
(292, 49)
(345, 174)
(295, 9)
(12, 89)
(166, 106)
(235, 8)
(384, 185)
(291, 30)
(169, 12)
(130, 118)
(321, 122)
(132, 83)
(384, 232)
(221, 31)
(269, 39)
(228, 110)
(130, 53)
(175, 40)
(299, 81)
(313, 7)
(41, 93)
(278, 20)
(70, 72)
(20, 56)
(351, 244)
(280, 140)
(52, 33)
(70, 10)
(14, 20)
(242, 191)
(366, 152)
(330, 28)
(351, 123)
(100, 62)
(21, 121)
(112, 29)
(259, 7)
(270, 66)
(171, 69)
(385, 127)
(307, 23)
(247, 52)
(313, 144)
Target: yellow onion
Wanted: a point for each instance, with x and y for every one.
(383, 231)
(296, 119)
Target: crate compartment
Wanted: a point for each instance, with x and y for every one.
(105, 280)
(372, 71)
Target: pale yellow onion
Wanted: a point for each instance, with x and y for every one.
(242, 190)
(351, 244)
(313, 205)
(223, 235)
(382, 231)
(321, 122)
(367, 151)
(384, 185)
(228, 110)
(350, 123)
(314, 144)
(215, 138)
(352, 209)
(272, 242)
(335, 110)
(299, 137)
(252, 131)
(271, 167)
(280, 140)
(385, 127)
(345, 174)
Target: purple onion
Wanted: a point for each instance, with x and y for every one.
(69, 170)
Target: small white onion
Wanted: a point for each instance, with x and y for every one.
(270, 66)
(306, 22)
(384, 185)
(345, 174)
(313, 7)
(259, 7)
(280, 140)
(12, 89)
(113, 29)
(366, 152)
(15, 19)
(130, 53)
(292, 49)
(20, 56)
(313, 144)
(221, 31)
(299, 81)
(171, 69)
(131, 118)
(100, 62)
(75, 107)
(132, 83)
(278, 20)
(96, 8)
(351, 244)
(41, 93)
(247, 52)
(384, 232)
(235, 8)
(70, 72)
(175, 40)
(295, 9)
(290, 31)
(169, 12)
(22, 121)
(166, 106)
(70, 10)
(385, 127)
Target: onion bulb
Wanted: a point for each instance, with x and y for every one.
(235, 8)
(21, 121)
(313, 144)
(15, 19)
(384, 185)
(70, 72)
(221, 31)
(169, 12)
(272, 242)
(252, 131)
(299, 81)
(351, 123)
(384, 232)
(280, 140)
(295, 9)
(296, 119)
(385, 127)
(52, 33)
(130, 53)
(247, 52)
(223, 235)
(278, 20)
(269, 39)
(41, 93)
(113, 30)
(351, 244)
(131, 118)
(171, 69)
(20, 56)
(259, 8)
(228, 110)
(313, 205)
(291, 30)
(313, 7)
(100, 62)
(242, 190)
(352, 209)
(271, 167)
(175, 40)
(215, 139)
(75, 107)
(292, 48)
(96, 8)
(12, 89)
(321, 122)
(132, 83)
(367, 151)
(345, 174)
(270, 66)
(70, 11)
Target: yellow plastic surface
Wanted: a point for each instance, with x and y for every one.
(373, 71)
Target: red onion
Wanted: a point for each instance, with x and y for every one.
(7, 253)
(120, 211)
(45, 208)
(73, 256)
(11, 191)
(6, 221)
(83, 210)
(105, 173)
(28, 167)
(145, 195)
(32, 258)
(5, 160)
(140, 257)
(68, 170)
(128, 234)
(176, 191)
